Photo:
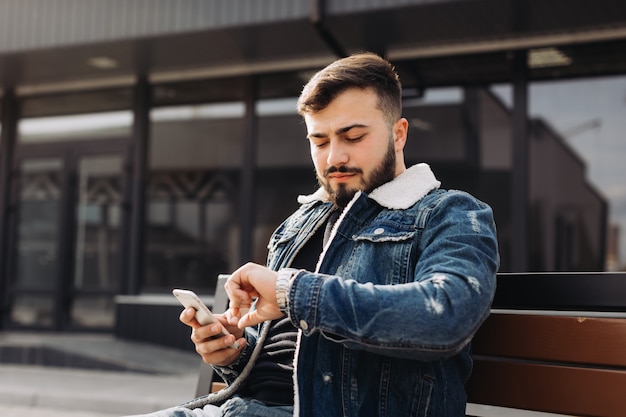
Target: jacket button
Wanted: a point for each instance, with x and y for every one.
(379, 231)
(304, 325)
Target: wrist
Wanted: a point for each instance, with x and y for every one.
(283, 282)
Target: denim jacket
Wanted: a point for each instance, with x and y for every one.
(402, 285)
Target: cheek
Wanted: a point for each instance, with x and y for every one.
(318, 159)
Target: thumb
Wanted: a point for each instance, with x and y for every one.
(250, 319)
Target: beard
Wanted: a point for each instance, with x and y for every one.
(382, 174)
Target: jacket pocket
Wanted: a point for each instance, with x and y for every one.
(383, 232)
(381, 255)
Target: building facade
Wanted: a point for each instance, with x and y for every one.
(153, 144)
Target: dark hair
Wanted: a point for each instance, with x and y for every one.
(363, 70)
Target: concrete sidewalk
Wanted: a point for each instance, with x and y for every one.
(102, 393)
(146, 377)
(106, 377)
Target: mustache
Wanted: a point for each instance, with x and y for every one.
(342, 169)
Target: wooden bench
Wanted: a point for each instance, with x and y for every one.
(555, 344)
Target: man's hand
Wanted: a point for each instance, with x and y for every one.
(249, 282)
(213, 347)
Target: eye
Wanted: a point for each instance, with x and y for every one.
(319, 142)
(355, 138)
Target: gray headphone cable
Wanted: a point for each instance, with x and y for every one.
(223, 394)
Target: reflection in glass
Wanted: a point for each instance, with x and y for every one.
(587, 116)
(33, 310)
(190, 236)
(195, 157)
(75, 127)
(36, 260)
(93, 311)
(98, 222)
(284, 168)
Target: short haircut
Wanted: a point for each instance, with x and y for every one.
(363, 71)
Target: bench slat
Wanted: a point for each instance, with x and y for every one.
(548, 388)
(594, 291)
(577, 340)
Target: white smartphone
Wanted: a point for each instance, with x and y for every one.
(204, 316)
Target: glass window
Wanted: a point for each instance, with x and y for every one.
(220, 90)
(80, 102)
(284, 168)
(93, 311)
(75, 116)
(98, 218)
(76, 127)
(436, 126)
(578, 177)
(36, 241)
(195, 161)
(33, 310)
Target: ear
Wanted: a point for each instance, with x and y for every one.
(400, 131)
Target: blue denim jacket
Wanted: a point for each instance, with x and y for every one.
(386, 320)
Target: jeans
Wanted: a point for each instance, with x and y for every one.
(235, 407)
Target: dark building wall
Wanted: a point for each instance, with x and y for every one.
(436, 134)
(567, 213)
(567, 216)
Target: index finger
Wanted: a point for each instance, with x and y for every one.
(188, 317)
(238, 295)
(250, 319)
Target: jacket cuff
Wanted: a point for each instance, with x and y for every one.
(304, 295)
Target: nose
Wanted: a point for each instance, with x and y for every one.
(337, 154)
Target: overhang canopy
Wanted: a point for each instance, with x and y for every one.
(48, 43)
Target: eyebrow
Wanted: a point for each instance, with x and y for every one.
(339, 131)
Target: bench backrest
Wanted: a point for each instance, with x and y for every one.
(554, 343)
(573, 365)
(570, 360)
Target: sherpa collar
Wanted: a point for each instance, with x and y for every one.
(400, 193)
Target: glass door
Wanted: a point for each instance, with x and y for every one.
(97, 237)
(35, 260)
(65, 262)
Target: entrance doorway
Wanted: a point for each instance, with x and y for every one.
(65, 251)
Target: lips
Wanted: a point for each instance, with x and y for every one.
(340, 176)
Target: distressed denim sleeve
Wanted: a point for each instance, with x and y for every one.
(433, 315)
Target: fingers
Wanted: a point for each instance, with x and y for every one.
(243, 310)
(188, 317)
(232, 319)
(240, 300)
(250, 319)
(247, 283)
(222, 356)
(214, 348)
(244, 285)
(211, 336)
(235, 312)
(240, 294)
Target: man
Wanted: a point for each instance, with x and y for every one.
(392, 274)
(405, 278)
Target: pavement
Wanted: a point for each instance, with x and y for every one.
(87, 375)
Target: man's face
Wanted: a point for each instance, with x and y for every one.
(352, 146)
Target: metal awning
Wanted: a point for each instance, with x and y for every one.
(433, 42)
